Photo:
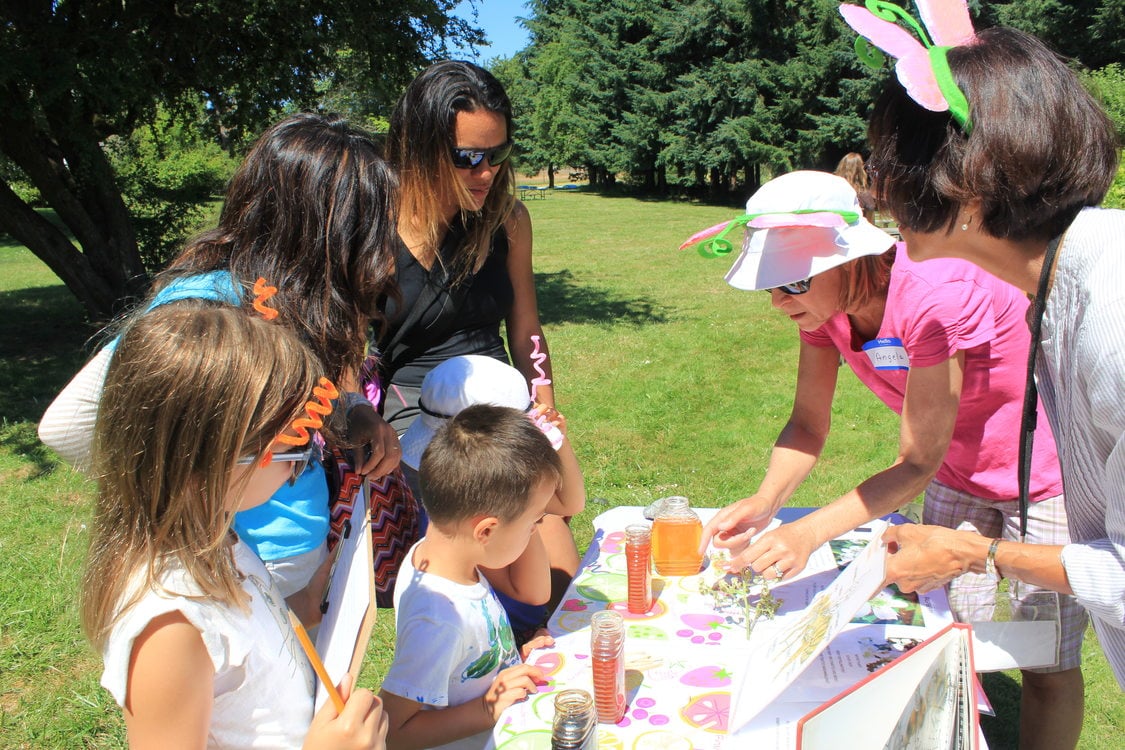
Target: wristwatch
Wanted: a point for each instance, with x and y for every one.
(990, 561)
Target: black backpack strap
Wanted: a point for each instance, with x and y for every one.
(1031, 392)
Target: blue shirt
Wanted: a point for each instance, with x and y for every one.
(295, 519)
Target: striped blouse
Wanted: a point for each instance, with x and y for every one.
(1081, 379)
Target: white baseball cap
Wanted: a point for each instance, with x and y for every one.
(801, 224)
(455, 384)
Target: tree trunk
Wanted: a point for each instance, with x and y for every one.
(61, 155)
(551, 176)
(53, 248)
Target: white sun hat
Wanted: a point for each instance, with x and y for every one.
(455, 384)
(797, 226)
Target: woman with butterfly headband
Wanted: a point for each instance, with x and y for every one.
(996, 154)
(942, 346)
(309, 211)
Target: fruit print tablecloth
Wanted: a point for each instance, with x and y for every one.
(682, 656)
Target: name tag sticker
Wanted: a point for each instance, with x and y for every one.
(887, 354)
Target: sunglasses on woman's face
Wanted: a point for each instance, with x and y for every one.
(299, 460)
(470, 158)
(797, 287)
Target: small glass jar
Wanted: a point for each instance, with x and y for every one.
(607, 657)
(575, 726)
(638, 559)
(676, 534)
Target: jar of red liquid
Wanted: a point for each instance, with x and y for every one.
(575, 726)
(607, 657)
(676, 534)
(638, 557)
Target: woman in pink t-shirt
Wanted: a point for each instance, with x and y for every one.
(945, 349)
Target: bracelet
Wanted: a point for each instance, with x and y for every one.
(990, 560)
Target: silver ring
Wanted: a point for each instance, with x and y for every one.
(778, 571)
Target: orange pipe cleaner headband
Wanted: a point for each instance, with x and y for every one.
(324, 393)
(262, 292)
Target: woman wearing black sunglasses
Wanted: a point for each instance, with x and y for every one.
(944, 345)
(464, 264)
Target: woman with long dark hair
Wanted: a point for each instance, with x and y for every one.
(463, 265)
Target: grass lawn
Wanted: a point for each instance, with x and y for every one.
(672, 383)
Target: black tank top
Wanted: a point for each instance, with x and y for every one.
(460, 319)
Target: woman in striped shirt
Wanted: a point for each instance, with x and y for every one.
(1016, 193)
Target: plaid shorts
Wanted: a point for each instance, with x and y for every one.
(972, 596)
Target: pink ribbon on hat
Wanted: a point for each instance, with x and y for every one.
(804, 217)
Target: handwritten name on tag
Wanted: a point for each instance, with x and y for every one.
(887, 354)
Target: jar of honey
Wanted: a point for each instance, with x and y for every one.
(676, 534)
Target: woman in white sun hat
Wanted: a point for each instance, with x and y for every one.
(471, 379)
(944, 347)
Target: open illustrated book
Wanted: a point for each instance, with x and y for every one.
(342, 637)
(776, 661)
(922, 700)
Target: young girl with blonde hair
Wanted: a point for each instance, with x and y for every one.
(205, 411)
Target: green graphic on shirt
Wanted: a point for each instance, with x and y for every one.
(500, 641)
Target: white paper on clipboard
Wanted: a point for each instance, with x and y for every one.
(342, 637)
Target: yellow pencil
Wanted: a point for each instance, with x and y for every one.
(318, 665)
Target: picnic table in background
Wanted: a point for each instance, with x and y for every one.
(682, 658)
(529, 192)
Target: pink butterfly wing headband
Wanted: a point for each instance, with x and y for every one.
(922, 67)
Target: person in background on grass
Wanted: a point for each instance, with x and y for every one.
(487, 477)
(197, 421)
(1011, 184)
(472, 379)
(852, 169)
(463, 263)
(944, 347)
(308, 210)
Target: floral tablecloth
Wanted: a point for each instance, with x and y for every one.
(682, 657)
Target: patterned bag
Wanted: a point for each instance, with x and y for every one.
(394, 519)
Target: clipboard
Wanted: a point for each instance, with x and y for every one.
(349, 617)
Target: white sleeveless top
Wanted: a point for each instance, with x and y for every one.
(263, 680)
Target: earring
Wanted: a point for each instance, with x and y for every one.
(965, 227)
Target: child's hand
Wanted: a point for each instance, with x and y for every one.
(361, 726)
(541, 639)
(512, 685)
(550, 414)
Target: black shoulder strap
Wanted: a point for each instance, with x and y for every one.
(1030, 391)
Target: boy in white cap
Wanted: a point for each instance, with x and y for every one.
(942, 343)
(470, 379)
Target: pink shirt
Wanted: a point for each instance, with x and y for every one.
(934, 310)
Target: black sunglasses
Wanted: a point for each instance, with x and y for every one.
(797, 287)
(470, 158)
